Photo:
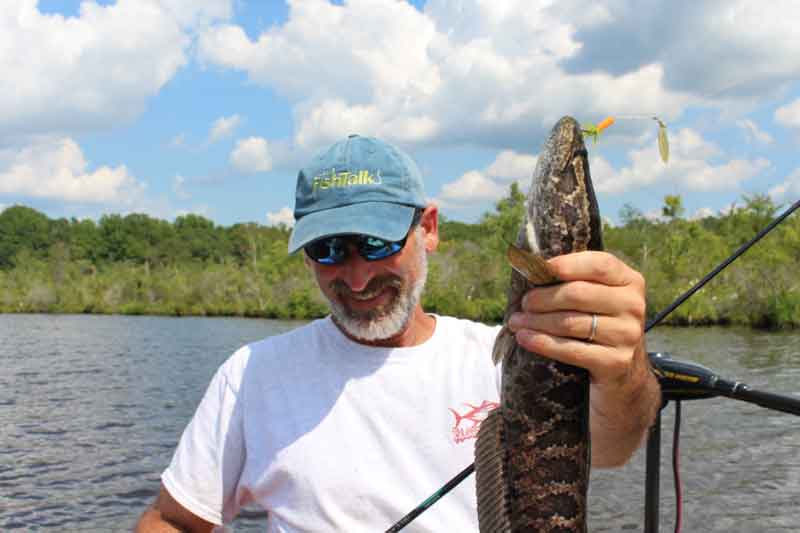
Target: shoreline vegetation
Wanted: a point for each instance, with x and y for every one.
(138, 265)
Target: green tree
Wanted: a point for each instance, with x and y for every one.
(113, 238)
(197, 267)
(244, 242)
(502, 225)
(84, 240)
(22, 228)
(197, 236)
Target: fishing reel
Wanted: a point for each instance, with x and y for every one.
(687, 380)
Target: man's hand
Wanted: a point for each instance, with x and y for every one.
(556, 322)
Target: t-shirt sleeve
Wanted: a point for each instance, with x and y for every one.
(205, 469)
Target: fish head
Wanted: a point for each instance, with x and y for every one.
(561, 207)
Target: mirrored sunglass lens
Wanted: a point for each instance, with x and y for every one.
(373, 248)
(327, 251)
(333, 251)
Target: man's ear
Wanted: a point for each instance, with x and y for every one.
(430, 223)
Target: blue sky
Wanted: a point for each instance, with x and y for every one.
(170, 107)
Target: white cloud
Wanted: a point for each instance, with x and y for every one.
(224, 127)
(197, 13)
(325, 49)
(510, 165)
(701, 176)
(252, 155)
(471, 187)
(283, 216)
(688, 166)
(701, 213)
(491, 183)
(753, 132)
(477, 186)
(789, 190)
(497, 74)
(333, 119)
(56, 168)
(722, 52)
(789, 115)
(94, 70)
(343, 77)
(600, 171)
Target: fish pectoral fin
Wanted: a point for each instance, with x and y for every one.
(503, 344)
(531, 266)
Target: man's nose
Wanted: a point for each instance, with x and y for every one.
(357, 272)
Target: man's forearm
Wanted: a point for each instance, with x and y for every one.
(166, 515)
(151, 521)
(620, 416)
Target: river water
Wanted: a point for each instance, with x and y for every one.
(91, 408)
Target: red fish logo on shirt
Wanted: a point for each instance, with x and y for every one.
(468, 422)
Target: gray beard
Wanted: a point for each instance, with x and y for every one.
(392, 319)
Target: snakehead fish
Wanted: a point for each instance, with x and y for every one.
(532, 455)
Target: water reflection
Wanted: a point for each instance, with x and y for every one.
(91, 408)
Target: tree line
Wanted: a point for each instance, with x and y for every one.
(137, 264)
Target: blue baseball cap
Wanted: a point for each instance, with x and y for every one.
(360, 185)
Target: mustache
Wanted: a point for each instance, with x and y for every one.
(374, 286)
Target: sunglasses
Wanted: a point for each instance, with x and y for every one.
(335, 250)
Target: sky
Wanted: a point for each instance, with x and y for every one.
(170, 107)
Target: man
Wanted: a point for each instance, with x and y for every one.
(347, 423)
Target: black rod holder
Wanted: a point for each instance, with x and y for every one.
(652, 477)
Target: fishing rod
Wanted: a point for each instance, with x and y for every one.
(753, 395)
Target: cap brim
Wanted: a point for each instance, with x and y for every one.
(378, 219)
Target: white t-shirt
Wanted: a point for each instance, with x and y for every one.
(330, 435)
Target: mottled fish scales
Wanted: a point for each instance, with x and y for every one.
(532, 456)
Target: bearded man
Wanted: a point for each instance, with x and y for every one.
(347, 423)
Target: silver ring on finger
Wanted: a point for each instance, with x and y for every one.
(593, 330)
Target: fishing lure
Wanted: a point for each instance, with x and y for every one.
(594, 131)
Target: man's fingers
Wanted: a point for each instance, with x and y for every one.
(586, 297)
(605, 363)
(556, 321)
(599, 267)
(575, 325)
(593, 282)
